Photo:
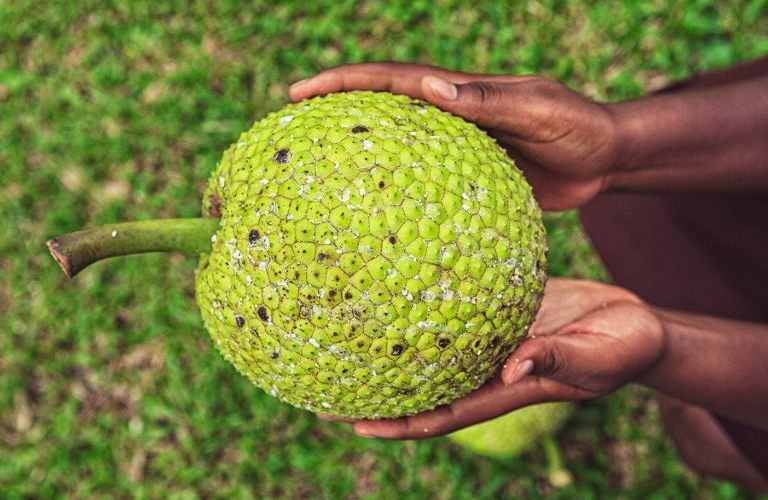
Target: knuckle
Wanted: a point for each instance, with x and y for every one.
(555, 361)
(488, 93)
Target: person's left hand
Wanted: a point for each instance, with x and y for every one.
(588, 340)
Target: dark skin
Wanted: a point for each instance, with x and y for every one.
(707, 134)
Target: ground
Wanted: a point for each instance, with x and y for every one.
(119, 110)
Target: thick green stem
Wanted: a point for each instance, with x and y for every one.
(557, 474)
(75, 251)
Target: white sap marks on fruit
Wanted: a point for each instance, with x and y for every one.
(114, 233)
(221, 181)
(367, 145)
(285, 120)
(248, 280)
(408, 296)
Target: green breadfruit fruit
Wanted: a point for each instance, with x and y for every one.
(362, 254)
(514, 433)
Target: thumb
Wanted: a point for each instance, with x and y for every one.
(550, 356)
(481, 102)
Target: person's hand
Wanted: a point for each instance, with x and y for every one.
(564, 143)
(588, 340)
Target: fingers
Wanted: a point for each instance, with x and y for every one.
(390, 77)
(488, 402)
(399, 78)
(482, 102)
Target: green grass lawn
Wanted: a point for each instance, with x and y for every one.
(113, 111)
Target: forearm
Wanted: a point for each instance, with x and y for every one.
(712, 139)
(718, 364)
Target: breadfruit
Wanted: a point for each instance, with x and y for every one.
(361, 254)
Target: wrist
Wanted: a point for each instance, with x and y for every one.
(631, 122)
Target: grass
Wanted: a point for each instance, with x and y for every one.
(119, 110)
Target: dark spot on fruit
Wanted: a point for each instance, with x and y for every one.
(495, 341)
(274, 355)
(282, 156)
(347, 295)
(296, 275)
(443, 343)
(354, 328)
(392, 240)
(397, 350)
(253, 236)
(359, 129)
(381, 184)
(472, 186)
(377, 349)
(239, 321)
(344, 370)
(215, 202)
(476, 343)
(332, 293)
(321, 257)
(418, 104)
(262, 312)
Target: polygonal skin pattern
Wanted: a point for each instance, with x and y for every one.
(376, 257)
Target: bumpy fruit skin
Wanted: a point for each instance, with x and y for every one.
(376, 256)
(514, 433)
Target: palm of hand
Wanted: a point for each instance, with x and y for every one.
(588, 339)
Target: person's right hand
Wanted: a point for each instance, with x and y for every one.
(564, 143)
(588, 340)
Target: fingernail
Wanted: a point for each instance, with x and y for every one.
(522, 369)
(444, 89)
(298, 84)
